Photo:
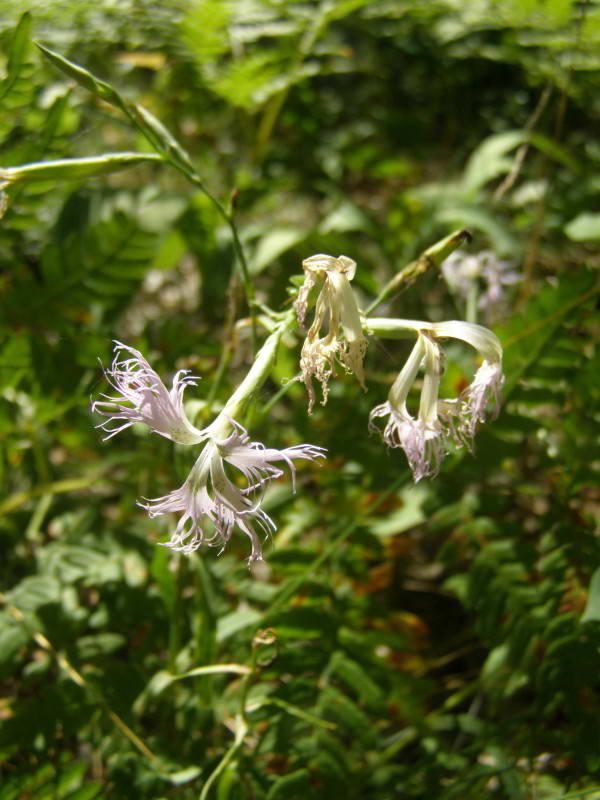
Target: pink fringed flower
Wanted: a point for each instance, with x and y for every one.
(211, 501)
(143, 397)
(212, 505)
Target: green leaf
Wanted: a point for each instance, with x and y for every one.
(99, 644)
(33, 592)
(525, 337)
(340, 709)
(490, 160)
(592, 608)
(273, 244)
(293, 786)
(70, 169)
(91, 790)
(13, 636)
(584, 228)
(236, 621)
(354, 676)
(303, 623)
(16, 88)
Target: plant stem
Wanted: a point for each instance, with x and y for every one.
(472, 298)
(242, 727)
(429, 259)
(256, 376)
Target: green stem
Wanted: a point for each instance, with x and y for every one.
(256, 376)
(229, 219)
(242, 727)
(205, 632)
(176, 156)
(429, 259)
(472, 298)
(276, 398)
(177, 616)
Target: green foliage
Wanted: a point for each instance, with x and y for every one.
(435, 641)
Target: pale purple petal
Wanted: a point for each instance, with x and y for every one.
(483, 392)
(425, 444)
(212, 506)
(143, 397)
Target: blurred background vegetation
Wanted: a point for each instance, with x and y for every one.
(431, 641)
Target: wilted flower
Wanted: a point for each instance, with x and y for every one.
(425, 438)
(212, 504)
(336, 305)
(463, 271)
(143, 397)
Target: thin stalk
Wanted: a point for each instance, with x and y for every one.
(177, 616)
(472, 298)
(175, 155)
(18, 499)
(229, 219)
(205, 641)
(276, 398)
(242, 727)
(429, 259)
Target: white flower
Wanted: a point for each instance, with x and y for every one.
(211, 504)
(425, 439)
(336, 305)
(143, 397)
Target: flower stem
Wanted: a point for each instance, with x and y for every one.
(256, 376)
(242, 727)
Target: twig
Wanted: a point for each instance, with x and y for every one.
(517, 164)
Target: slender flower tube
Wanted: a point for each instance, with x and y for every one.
(143, 397)
(425, 439)
(211, 504)
(336, 306)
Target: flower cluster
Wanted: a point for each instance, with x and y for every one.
(425, 438)
(336, 306)
(211, 502)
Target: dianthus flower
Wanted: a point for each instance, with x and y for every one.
(143, 397)
(212, 501)
(212, 504)
(336, 306)
(463, 271)
(425, 438)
